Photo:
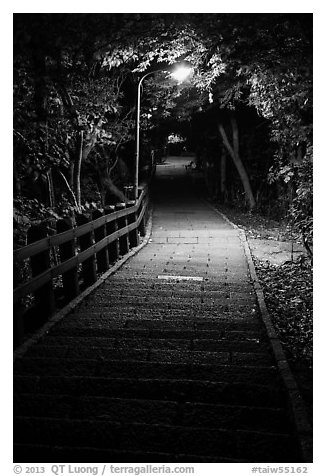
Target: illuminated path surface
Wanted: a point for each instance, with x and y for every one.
(167, 361)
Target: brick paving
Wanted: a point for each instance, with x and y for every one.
(167, 361)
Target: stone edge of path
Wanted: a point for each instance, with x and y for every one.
(295, 400)
(22, 349)
(296, 403)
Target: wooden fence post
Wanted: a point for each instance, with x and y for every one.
(128, 191)
(122, 222)
(133, 234)
(142, 224)
(140, 190)
(146, 215)
(18, 327)
(44, 296)
(67, 250)
(102, 256)
(111, 227)
(86, 241)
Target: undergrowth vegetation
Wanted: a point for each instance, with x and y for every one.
(288, 293)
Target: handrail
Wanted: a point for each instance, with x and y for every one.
(60, 238)
(119, 229)
(34, 283)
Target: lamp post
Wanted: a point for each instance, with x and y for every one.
(180, 74)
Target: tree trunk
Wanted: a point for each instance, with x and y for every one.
(208, 177)
(40, 85)
(113, 189)
(71, 193)
(234, 153)
(85, 147)
(51, 189)
(17, 182)
(106, 182)
(71, 175)
(77, 169)
(78, 155)
(223, 175)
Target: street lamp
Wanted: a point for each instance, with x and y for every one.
(180, 73)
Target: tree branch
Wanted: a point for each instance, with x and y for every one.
(226, 140)
(234, 152)
(69, 189)
(235, 135)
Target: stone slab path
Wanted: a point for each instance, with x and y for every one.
(167, 361)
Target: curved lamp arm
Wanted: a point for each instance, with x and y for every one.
(180, 78)
(138, 128)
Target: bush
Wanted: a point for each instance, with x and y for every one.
(301, 210)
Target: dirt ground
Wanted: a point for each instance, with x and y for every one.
(285, 273)
(268, 239)
(276, 252)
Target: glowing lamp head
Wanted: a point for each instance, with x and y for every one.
(181, 73)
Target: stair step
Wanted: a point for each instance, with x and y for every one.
(180, 390)
(145, 295)
(181, 319)
(56, 346)
(118, 332)
(125, 282)
(152, 355)
(134, 321)
(207, 322)
(126, 410)
(142, 369)
(156, 438)
(233, 313)
(54, 454)
(174, 302)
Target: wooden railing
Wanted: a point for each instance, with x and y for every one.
(77, 253)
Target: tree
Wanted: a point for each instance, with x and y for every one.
(264, 61)
(72, 95)
(76, 74)
(233, 150)
(77, 84)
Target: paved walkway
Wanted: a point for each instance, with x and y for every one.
(167, 361)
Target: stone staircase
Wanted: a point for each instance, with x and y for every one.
(145, 372)
(167, 361)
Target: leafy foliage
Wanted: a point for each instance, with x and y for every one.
(288, 294)
(265, 62)
(301, 212)
(85, 82)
